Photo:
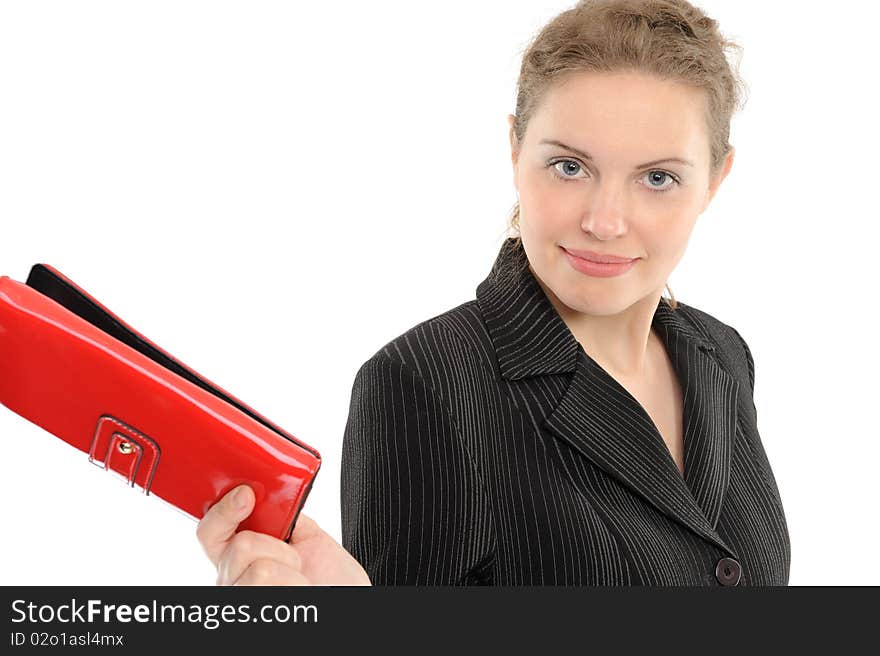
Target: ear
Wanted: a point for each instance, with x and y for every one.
(715, 183)
(514, 148)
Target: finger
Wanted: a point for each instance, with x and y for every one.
(270, 572)
(218, 525)
(248, 546)
(305, 528)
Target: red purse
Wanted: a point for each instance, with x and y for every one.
(70, 366)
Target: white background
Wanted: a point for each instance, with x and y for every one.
(271, 191)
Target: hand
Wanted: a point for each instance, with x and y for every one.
(312, 557)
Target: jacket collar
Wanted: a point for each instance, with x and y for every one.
(529, 336)
(531, 340)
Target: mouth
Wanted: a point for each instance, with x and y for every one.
(596, 269)
(599, 258)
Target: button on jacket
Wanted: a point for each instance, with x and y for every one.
(485, 447)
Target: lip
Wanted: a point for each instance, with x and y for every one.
(601, 258)
(599, 269)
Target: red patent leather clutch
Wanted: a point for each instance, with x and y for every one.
(75, 369)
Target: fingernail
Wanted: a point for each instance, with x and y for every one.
(239, 499)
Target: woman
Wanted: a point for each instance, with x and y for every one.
(569, 425)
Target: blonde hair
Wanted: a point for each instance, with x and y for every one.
(670, 39)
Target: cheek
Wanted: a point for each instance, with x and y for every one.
(670, 229)
(544, 209)
(665, 243)
(658, 236)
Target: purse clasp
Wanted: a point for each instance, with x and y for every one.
(119, 447)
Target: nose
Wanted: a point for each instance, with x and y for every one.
(604, 212)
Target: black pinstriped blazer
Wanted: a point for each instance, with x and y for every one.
(484, 446)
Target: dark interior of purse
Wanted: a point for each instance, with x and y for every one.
(47, 283)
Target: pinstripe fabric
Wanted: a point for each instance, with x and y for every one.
(484, 446)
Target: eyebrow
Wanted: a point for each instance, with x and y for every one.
(586, 155)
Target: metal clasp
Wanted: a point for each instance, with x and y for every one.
(119, 447)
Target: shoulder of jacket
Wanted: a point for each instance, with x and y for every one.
(734, 351)
(708, 324)
(433, 343)
(424, 353)
(431, 337)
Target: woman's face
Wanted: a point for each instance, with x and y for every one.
(614, 196)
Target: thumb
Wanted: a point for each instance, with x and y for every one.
(218, 526)
(305, 528)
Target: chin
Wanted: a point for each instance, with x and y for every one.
(599, 307)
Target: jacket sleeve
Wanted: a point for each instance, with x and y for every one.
(414, 511)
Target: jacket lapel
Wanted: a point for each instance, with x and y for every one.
(598, 416)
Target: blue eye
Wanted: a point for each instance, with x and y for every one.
(662, 173)
(565, 161)
(573, 165)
